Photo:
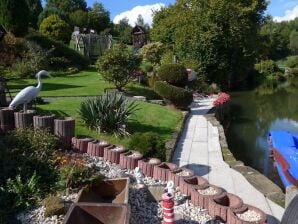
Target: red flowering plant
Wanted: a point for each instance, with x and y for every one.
(220, 105)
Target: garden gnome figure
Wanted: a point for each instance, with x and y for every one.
(139, 177)
(170, 187)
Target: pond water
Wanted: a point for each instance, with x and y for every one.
(252, 114)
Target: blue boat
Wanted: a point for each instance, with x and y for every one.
(284, 146)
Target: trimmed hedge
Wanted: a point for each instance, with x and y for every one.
(180, 97)
(59, 55)
(173, 74)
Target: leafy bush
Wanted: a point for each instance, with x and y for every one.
(266, 67)
(21, 69)
(117, 65)
(56, 28)
(167, 57)
(179, 97)
(148, 67)
(292, 62)
(153, 52)
(173, 74)
(108, 113)
(47, 11)
(152, 79)
(149, 144)
(59, 55)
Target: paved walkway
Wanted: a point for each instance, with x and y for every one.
(199, 149)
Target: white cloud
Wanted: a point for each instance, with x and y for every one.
(289, 15)
(146, 11)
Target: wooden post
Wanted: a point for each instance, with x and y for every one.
(24, 120)
(6, 120)
(44, 122)
(65, 130)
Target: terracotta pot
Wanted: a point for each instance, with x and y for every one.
(161, 171)
(96, 148)
(202, 200)
(80, 145)
(218, 207)
(187, 183)
(232, 217)
(178, 174)
(129, 160)
(24, 120)
(147, 165)
(112, 153)
(64, 129)
(44, 122)
(87, 213)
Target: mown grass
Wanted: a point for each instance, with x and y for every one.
(149, 117)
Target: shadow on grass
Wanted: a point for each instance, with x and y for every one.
(142, 91)
(46, 87)
(142, 128)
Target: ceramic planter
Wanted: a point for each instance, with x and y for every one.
(218, 207)
(161, 171)
(147, 165)
(187, 183)
(96, 148)
(112, 153)
(129, 160)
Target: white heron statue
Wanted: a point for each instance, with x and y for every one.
(29, 93)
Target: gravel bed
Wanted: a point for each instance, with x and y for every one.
(183, 173)
(142, 210)
(208, 191)
(249, 216)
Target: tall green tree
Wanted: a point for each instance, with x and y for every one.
(14, 16)
(79, 18)
(68, 6)
(99, 17)
(294, 41)
(35, 8)
(221, 35)
(51, 11)
(123, 31)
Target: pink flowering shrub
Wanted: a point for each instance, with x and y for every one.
(221, 99)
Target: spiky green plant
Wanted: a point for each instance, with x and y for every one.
(108, 113)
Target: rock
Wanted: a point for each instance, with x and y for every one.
(53, 206)
(140, 98)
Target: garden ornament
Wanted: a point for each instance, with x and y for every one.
(139, 176)
(170, 187)
(29, 93)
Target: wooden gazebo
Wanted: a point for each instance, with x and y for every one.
(139, 37)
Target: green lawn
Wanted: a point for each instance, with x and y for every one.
(85, 83)
(149, 117)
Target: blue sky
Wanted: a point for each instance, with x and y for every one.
(276, 7)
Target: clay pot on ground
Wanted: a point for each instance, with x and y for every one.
(6, 120)
(64, 129)
(107, 191)
(187, 184)
(240, 216)
(202, 197)
(44, 122)
(112, 153)
(24, 120)
(80, 145)
(87, 213)
(96, 148)
(178, 174)
(129, 160)
(161, 171)
(147, 165)
(218, 207)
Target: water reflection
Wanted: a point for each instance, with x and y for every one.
(253, 114)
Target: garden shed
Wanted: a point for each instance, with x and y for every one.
(139, 37)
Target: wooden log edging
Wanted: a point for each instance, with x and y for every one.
(80, 144)
(6, 120)
(161, 172)
(178, 174)
(218, 207)
(24, 120)
(187, 184)
(64, 129)
(129, 160)
(44, 122)
(147, 165)
(96, 148)
(112, 153)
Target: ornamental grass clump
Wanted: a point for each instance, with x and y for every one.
(109, 113)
